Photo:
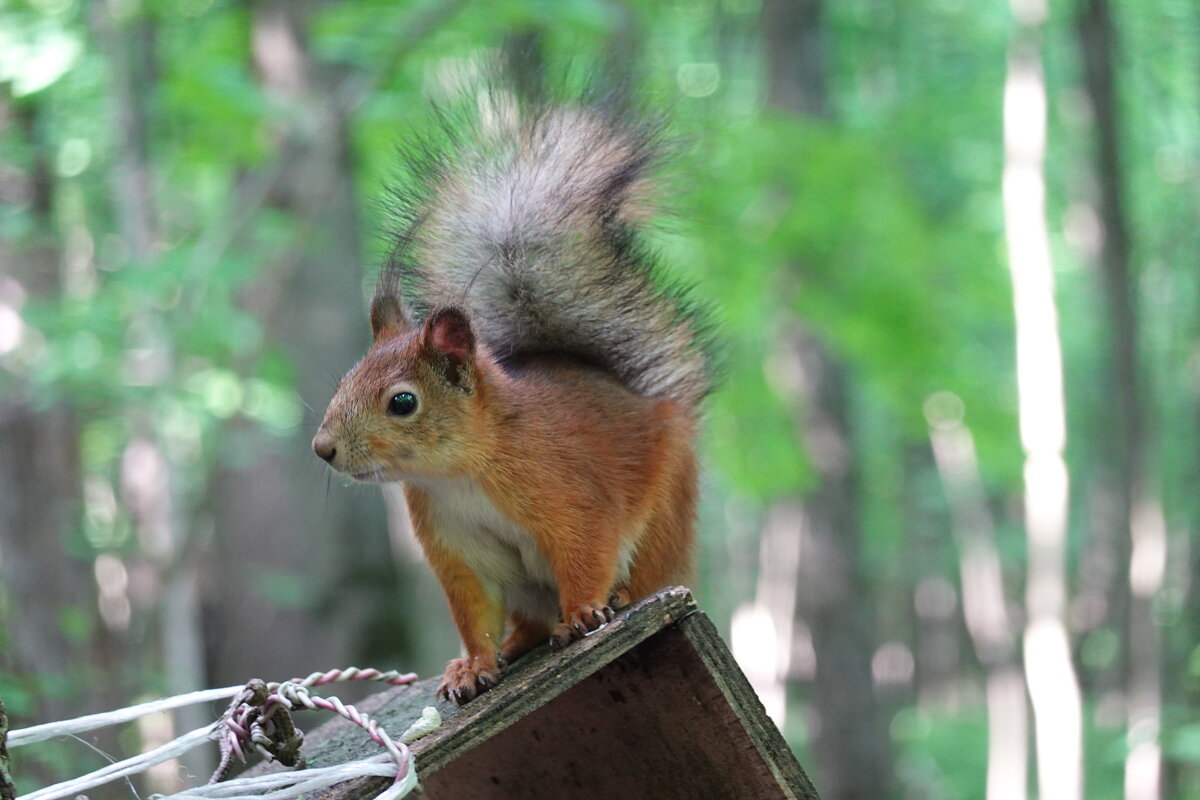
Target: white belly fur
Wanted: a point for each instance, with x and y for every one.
(502, 553)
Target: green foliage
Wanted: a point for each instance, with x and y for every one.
(940, 755)
(879, 230)
(944, 755)
(798, 218)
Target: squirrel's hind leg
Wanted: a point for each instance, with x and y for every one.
(664, 553)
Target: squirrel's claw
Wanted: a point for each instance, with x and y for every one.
(580, 623)
(467, 678)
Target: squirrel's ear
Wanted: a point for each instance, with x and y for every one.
(387, 317)
(448, 334)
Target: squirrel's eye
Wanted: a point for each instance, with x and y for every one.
(402, 404)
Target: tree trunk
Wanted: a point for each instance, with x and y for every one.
(852, 748)
(149, 473)
(45, 585)
(929, 599)
(273, 511)
(1053, 687)
(764, 631)
(39, 498)
(130, 48)
(985, 607)
(1139, 510)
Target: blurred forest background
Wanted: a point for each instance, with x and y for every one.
(950, 511)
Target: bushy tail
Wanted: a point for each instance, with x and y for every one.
(531, 217)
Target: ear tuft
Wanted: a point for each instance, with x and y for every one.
(448, 334)
(387, 317)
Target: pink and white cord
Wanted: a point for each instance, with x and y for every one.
(260, 715)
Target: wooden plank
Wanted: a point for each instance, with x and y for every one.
(531, 682)
(650, 705)
(654, 723)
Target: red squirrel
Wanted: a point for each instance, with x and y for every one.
(533, 383)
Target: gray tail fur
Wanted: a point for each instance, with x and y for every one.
(532, 218)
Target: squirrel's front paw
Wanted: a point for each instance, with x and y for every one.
(467, 678)
(579, 623)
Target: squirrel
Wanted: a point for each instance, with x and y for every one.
(533, 382)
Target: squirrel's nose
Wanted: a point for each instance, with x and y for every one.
(322, 445)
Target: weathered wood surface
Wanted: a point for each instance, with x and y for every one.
(651, 705)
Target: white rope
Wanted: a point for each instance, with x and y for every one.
(275, 786)
(300, 782)
(40, 733)
(314, 779)
(130, 766)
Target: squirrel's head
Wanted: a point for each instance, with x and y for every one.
(406, 409)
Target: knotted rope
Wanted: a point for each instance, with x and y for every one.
(259, 718)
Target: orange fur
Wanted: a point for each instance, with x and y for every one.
(537, 479)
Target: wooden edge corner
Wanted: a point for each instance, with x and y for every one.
(742, 698)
